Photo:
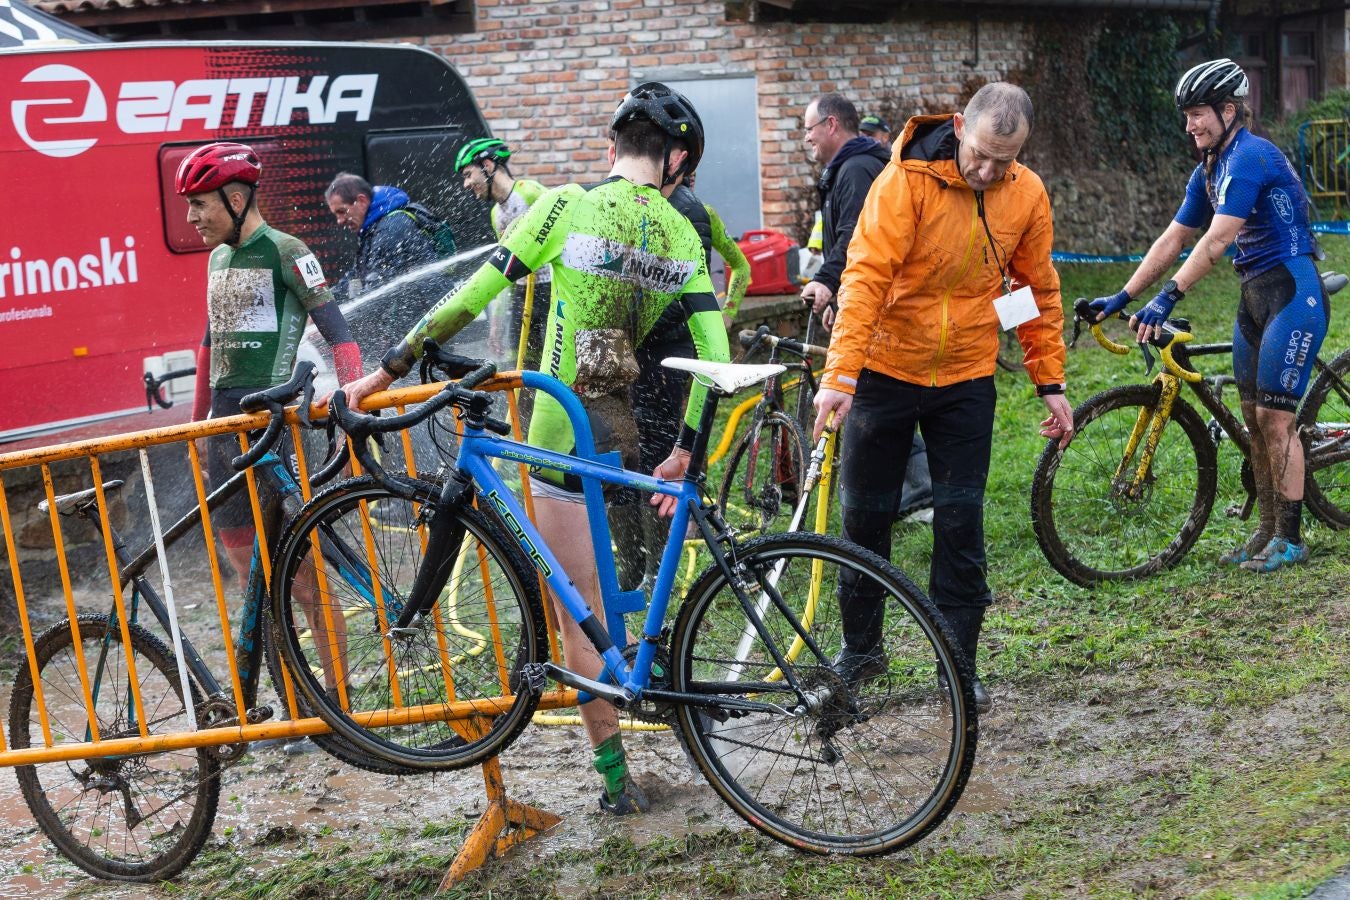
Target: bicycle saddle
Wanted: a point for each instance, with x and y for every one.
(725, 378)
(65, 503)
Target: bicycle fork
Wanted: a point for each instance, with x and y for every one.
(1154, 421)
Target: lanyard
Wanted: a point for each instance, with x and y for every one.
(993, 244)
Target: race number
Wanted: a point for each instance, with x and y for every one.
(310, 271)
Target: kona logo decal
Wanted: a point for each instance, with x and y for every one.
(530, 550)
(71, 98)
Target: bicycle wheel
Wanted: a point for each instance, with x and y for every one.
(864, 770)
(1324, 425)
(390, 699)
(1093, 521)
(140, 817)
(764, 477)
(335, 745)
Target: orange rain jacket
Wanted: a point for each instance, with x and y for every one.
(916, 301)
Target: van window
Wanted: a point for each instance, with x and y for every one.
(178, 234)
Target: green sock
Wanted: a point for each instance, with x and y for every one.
(612, 765)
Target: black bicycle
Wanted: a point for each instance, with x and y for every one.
(765, 471)
(145, 816)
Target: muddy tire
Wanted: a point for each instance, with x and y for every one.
(764, 476)
(1324, 426)
(487, 623)
(866, 768)
(139, 817)
(1094, 525)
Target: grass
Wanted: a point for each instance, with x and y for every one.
(1181, 736)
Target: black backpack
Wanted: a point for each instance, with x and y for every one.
(432, 226)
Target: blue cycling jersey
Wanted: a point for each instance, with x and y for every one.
(1254, 181)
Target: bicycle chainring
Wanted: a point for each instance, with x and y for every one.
(218, 712)
(647, 710)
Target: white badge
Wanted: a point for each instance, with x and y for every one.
(310, 271)
(1016, 308)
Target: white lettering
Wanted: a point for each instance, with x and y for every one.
(363, 88)
(69, 273)
(63, 274)
(154, 107)
(202, 99)
(143, 106)
(246, 89)
(293, 99)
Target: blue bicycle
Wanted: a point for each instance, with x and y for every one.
(444, 657)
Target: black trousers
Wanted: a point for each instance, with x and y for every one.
(957, 424)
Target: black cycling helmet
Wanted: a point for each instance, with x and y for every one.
(672, 112)
(1210, 84)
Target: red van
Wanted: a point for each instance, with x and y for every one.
(98, 267)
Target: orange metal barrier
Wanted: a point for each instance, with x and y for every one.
(48, 472)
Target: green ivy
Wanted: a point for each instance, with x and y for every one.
(1132, 71)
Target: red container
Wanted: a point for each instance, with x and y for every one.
(773, 262)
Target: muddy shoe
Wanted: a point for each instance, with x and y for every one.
(1276, 555)
(631, 800)
(1242, 553)
(856, 667)
(983, 702)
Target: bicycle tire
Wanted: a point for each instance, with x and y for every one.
(474, 665)
(1088, 529)
(335, 745)
(1324, 420)
(870, 769)
(764, 476)
(83, 805)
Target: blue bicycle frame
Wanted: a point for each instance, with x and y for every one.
(477, 450)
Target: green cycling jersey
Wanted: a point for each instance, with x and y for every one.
(738, 267)
(258, 296)
(621, 255)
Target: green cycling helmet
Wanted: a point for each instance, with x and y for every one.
(481, 149)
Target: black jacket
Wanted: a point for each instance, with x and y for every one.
(843, 188)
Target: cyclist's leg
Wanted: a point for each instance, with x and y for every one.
(958, 424)
(658, 409)
(878, 433)
(561, 519)
(1246, 345)
(1292, 338)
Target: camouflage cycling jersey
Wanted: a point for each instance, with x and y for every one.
(258, 296)
(621, 255)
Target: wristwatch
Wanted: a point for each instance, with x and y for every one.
(1170, 288)
(1044, 390)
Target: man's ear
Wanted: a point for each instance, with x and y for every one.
(241, 205)
(677, 158)
(611, 153)
(959, 124)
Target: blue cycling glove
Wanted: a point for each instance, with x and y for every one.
(1157, 310)
(1110, 305)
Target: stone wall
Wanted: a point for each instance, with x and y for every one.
(1112, 212)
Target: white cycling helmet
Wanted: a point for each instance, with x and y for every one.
(1211, 83)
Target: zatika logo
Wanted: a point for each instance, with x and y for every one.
(81, 87)
(66, 121)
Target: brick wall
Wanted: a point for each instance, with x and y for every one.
(548, 75)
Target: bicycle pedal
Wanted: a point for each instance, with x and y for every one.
(533, 678)
(259, 714)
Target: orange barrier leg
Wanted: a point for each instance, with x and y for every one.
(504, 824)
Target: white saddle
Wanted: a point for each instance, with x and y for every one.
(725, 378)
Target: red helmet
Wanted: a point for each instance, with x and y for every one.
(213, 166)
